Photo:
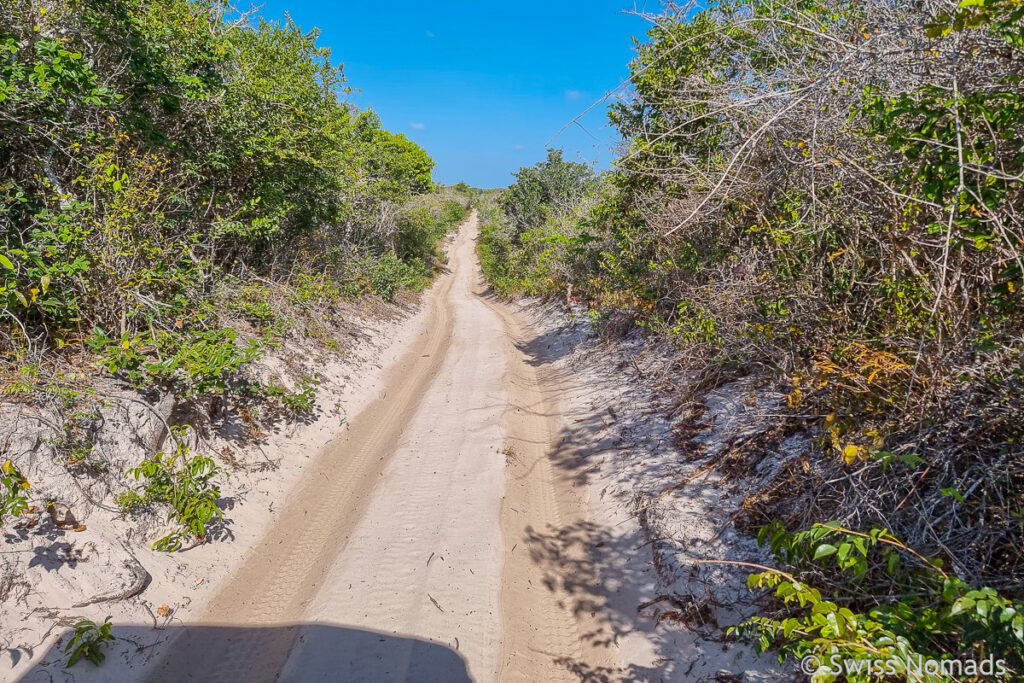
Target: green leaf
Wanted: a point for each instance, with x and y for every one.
(843, 553)
(892, 562)
(6, 262)
(824, 550)
(911, 460)
(952, 493)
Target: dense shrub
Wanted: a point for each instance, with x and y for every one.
(827, 196)
(149, 148)
(161, 162)
(529, 238)
(182, 186)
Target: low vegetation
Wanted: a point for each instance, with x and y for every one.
(88, 640)
(826, 197)
(183, 189)
(183, 481)
(936, 617)
(13, 486)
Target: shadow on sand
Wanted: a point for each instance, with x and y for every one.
(665, 619)
(319, 652)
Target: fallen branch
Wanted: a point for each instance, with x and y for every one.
(139, 578)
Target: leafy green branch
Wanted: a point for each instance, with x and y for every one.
(924, 612)
(186, 483)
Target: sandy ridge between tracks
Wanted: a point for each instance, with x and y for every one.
(404, 553)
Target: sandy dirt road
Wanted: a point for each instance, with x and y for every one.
(403, 554)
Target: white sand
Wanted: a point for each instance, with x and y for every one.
(388, 559)
(467, 521)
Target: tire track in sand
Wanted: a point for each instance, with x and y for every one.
(399, 528)
(282, 573)
(547, 623)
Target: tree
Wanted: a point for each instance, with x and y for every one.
(551, 185)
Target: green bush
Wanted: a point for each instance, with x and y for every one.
(185, 483)
(389, 274)
(531, 237)
(227, 149)
(202, 362)
(302, 401)
(88, 640)
(887, 603)
(543, 190)
(193, 363)
(12, 491)
(421, 229)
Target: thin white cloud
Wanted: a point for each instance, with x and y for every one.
(573, 95)
(518, 146)
(430, 34)
(416, 125)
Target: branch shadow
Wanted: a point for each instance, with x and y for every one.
(665, 616)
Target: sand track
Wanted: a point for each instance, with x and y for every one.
(402, 553)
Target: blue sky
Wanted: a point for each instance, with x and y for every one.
(481, 85)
